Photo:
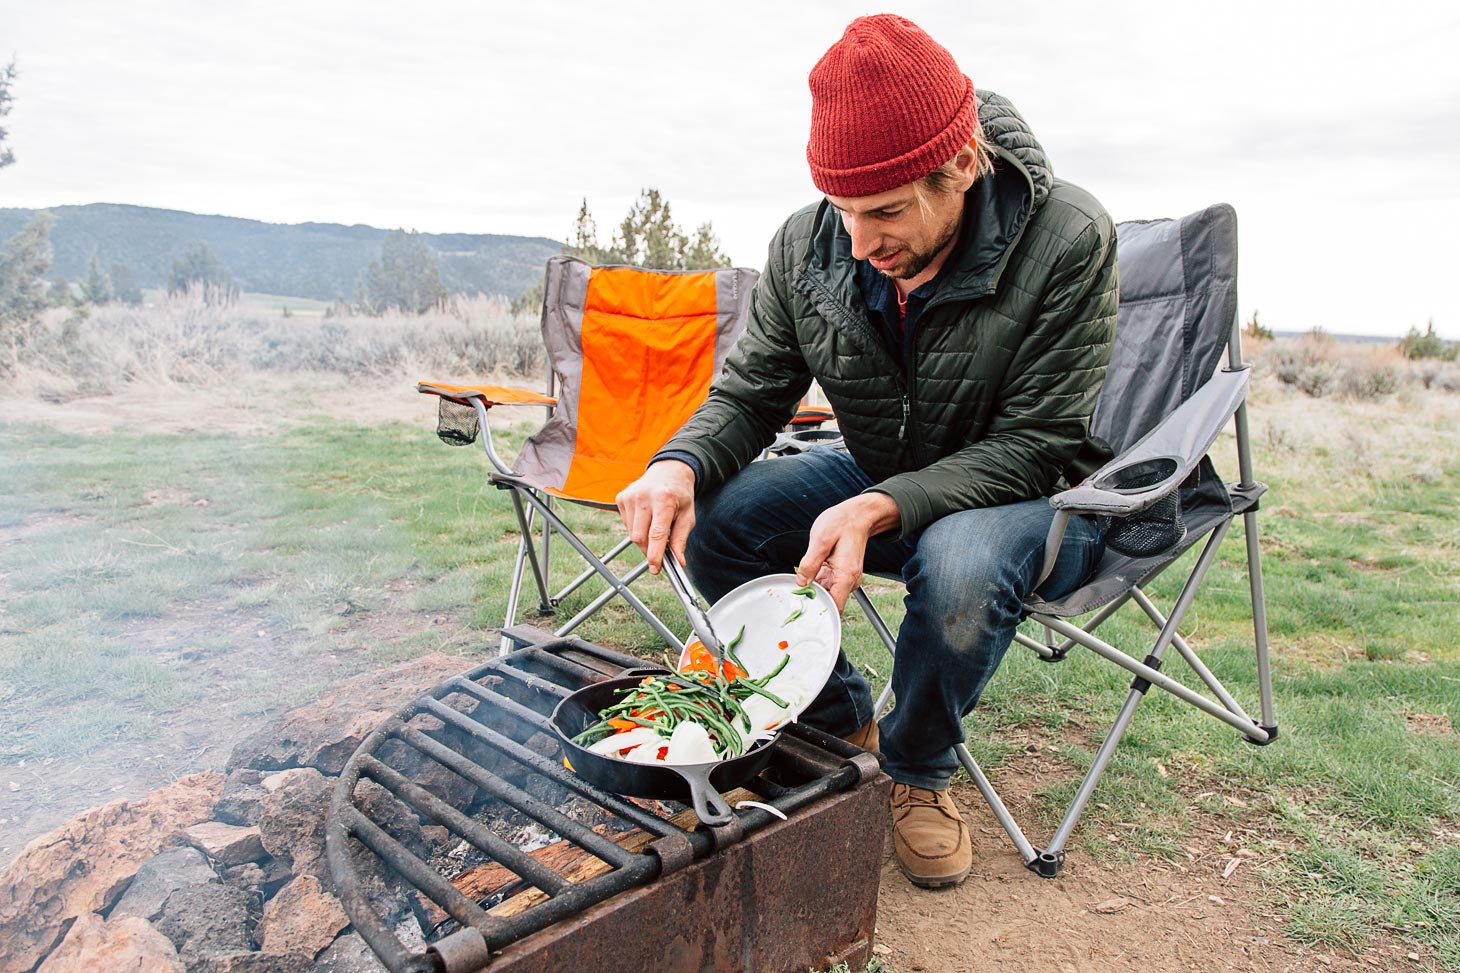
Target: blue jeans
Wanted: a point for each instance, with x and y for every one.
(966, 575)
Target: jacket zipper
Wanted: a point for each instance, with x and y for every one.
(907, 431)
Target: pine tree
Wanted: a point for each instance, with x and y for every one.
(97, 287)
(406, 278)
(24, 260)
(7, 77)
(197, 269)
(124, 285)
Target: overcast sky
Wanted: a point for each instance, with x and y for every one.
(1334, 128)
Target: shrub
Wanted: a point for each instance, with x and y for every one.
(187, 339)
(1415, 346)
(1317, 365)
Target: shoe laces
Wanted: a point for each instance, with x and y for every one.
(906, 798)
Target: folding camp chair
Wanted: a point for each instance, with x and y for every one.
(1161, 408)
(632, 353)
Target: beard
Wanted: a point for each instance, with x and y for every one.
(917, 261)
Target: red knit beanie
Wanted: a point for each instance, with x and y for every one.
(888, 106)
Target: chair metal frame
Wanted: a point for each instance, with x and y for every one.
(1220, 400)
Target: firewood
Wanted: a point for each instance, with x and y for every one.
(588, 866)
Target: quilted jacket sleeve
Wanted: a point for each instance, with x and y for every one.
(762, 383)
(1045, 402)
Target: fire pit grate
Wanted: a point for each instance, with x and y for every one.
(486, 733)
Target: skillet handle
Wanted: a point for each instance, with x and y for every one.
(709, 806)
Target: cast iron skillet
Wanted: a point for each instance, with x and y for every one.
(701, 783)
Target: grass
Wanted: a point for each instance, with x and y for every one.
(331, 546)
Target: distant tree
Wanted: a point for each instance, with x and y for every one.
(584, 241)
(24, 260)
(97, 287)
(647, 237)
(406, 278)
(7, 77)
(1256, 329)
(124, 285)
(1415, 346)
(60, 294)
(197, 269)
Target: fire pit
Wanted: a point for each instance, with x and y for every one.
(568, 876)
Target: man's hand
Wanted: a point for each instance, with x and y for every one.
(838, 543)
(658, 509)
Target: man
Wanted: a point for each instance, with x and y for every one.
(956, 305)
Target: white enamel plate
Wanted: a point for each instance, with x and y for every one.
(772, 613)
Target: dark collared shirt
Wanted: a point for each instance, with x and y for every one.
(894, 325)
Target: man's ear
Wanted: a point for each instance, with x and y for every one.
(966, 161)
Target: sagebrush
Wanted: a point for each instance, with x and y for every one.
(70, 352)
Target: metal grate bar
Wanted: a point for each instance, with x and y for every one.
(539, 811)
(423, 877)
(554, 771)
(507, 704)
(420, 799)
(533, 681)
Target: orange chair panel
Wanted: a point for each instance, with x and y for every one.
(640, 331)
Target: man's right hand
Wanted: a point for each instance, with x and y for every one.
(658, 510)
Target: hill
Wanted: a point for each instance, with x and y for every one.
(318, 260)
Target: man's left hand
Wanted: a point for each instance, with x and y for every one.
(838, 543)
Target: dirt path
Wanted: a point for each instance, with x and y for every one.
(1152, 915)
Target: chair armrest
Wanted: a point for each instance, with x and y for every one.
(490, 395)
(1178, 441)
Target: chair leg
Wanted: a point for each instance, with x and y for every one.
(618, 585)
(524, 526)
(514, 590)
(1259, 626)
(996, 804)
(1056, 847)
(889, 641)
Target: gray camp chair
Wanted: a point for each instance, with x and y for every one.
(1162, 407)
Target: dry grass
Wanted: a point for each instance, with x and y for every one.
(73, 353)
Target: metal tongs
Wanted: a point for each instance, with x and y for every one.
(698, 619)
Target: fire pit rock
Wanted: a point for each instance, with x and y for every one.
(302, 917)
(254, 963)
(206, 920)
(291, 822)
(84, 865)
(117, 882)
(123, 945)
(174, 869)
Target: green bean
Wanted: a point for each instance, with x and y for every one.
(776, 672)
(768, 695)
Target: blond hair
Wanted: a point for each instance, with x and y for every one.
(942, 180)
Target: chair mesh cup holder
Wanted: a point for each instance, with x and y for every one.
(457, 423)
(1151, 531)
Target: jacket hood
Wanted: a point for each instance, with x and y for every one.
(1006, 128)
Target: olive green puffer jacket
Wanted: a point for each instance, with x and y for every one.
(994, 404)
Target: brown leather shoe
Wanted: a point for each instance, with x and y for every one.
(930, 837)
(867, 736)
